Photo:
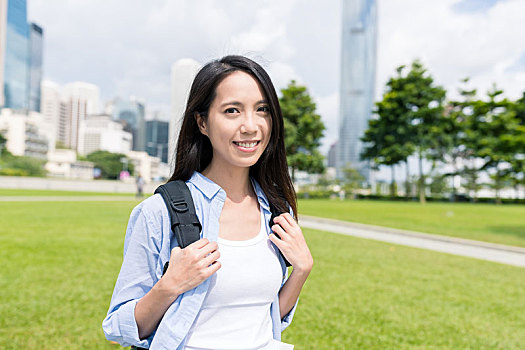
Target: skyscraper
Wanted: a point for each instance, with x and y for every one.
(157, 139)
(80, 99)
(182, 74)
(20, 57)
(358, 66)
(131, 112)
(35, 66)
(15, 55)
(3, 29)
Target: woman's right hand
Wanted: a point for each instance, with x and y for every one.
(190, 266)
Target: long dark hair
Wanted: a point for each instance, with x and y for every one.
(194, 150)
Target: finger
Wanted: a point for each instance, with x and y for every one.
(290, 219)
(275, 240)
(207, 249)
(175, 250)
(208, 260)
(199, 244)
(280, 232)
(210, 270)
(281, 220)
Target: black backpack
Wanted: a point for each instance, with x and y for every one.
(184, 222)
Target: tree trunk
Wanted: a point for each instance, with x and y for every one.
(454, 190)
(407, 181)
(393, 183)
(422, 198)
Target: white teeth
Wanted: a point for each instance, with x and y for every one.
(247, 144)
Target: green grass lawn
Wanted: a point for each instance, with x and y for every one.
(60, 261)
(504, 224)
(12, 192)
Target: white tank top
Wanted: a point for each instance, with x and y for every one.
(236, 311)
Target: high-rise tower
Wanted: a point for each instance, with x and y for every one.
(15, 36)
(182, 74)
(358, 67)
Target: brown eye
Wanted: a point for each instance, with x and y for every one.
(231, 110)
(263, 109)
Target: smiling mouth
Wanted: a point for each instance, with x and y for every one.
(246, 144)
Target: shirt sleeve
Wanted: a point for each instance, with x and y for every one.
(137, 276)
(287, 319)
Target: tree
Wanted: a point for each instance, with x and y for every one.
(517, 171)
(387, 139)
(303, 129)
(352, 179)
(494, 137)
(3, 141)
(453, 150)
(109, 163)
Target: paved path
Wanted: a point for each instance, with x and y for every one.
(475, 249)
(66, 198)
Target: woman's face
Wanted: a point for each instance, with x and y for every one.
(239, 123)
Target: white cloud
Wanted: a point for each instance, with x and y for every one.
(127, 47)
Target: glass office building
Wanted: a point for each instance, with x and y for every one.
(35, 66)
(157, 133)
(16, 69)
(131, 112)
(358, 67)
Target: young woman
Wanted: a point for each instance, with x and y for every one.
(230, 289)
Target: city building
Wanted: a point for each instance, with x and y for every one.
(157, 133)
(21, 45)
(358, 67)
(63, 163)
(53, 109)
(35, 65)
(27, 133)
(146, 166)
(80, 99)
(3, 30)
(14, 56)
(332, 156)
(182, 74)
(100, 132)
(132, 113)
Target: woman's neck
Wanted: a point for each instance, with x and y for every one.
(234, 181)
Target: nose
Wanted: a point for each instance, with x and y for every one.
(249, 125)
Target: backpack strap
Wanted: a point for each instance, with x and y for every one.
(276, 213)
(184, 222)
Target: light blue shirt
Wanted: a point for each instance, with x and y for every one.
(147, 248)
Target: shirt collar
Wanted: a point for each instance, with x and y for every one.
(210, 188)
(205, 185)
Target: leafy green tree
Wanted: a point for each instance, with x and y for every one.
(109, 163)
(303, 130)
(412, 117)
(387, 139)
(3, 142)
(22, 166)
(452, 149)
(352, 180)
(424, 109)
(517, 170)
(494, 137)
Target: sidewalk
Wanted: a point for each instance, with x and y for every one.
(86, 198)
(458, 246)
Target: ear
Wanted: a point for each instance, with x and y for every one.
(201, 123)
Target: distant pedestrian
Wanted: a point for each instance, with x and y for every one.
(140, 186)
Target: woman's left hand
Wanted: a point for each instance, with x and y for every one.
(291, 243)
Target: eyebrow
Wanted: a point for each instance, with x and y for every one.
(237, 103)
